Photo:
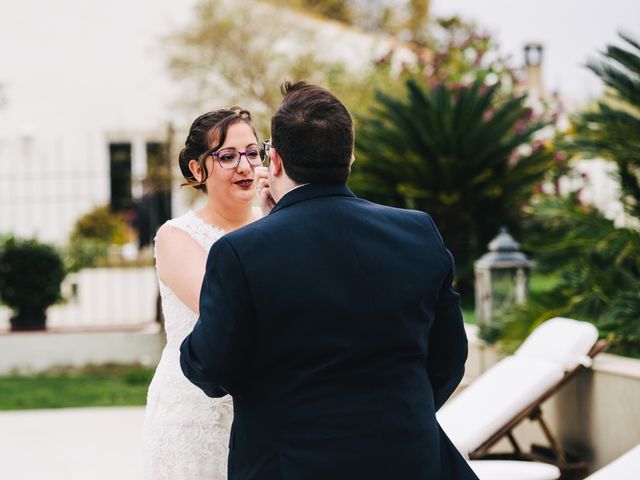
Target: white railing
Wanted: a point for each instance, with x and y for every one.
(98, 298)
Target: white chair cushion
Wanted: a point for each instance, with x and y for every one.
(627, 467)
(560, 340)
(493, 399)
(513, 470)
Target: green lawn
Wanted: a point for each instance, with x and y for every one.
(469, 314)
(538, 284)
(541, 284)
(110, 385)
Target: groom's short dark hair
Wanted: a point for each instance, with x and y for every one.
(313, 133)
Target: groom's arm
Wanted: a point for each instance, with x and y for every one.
(217, 354)
(448, 346)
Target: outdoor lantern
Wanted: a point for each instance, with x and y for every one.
(502, 277)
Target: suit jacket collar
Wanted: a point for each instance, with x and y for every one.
(312, 190)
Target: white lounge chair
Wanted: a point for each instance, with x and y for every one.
(513, 389)
(626, 467)
(514, 470)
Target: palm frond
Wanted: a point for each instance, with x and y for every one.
(448, 150)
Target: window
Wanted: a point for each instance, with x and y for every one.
(120, 168)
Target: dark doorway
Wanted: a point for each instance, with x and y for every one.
(120, 169)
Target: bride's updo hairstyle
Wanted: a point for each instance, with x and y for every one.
(207, 133)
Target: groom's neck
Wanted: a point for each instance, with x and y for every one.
(285, 185)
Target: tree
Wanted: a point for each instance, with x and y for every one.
(234, 53)
(456, 153)
(613, 130)
(404, 19)
(596, 263)
(338, 10)
(456, 53)
(596, 272)
(216, 58)
(418, 16)
(459, 52)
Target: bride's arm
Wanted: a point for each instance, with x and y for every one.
(180, 263)
(218, 356)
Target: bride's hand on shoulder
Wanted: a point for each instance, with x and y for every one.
(265, 200)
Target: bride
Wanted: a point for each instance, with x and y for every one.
(186, 433)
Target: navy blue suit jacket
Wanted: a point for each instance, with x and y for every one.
(333, 324)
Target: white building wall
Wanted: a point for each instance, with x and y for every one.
(48, 180)
(75, 75)
(601, 188)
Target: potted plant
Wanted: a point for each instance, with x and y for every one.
(30, 277)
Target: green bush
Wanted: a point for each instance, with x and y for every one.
(101, 224)
(92, 236)
(597, 267)
(30, 277)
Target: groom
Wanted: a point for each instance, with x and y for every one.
(332, 321)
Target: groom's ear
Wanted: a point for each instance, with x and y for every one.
(276, 162)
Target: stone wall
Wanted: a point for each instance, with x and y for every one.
(36, 352)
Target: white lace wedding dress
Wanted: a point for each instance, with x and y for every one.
(186, 433)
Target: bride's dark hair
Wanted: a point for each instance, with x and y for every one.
(207, 133)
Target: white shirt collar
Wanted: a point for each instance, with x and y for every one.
(292, 189)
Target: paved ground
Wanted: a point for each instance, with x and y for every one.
(71, 444)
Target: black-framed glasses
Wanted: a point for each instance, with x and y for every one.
(230, 157)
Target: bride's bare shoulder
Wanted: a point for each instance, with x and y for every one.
(173, 241)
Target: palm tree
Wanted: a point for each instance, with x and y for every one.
(456, 152)
(598, 264)
(613, 130)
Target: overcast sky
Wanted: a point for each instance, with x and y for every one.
(572, 31)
